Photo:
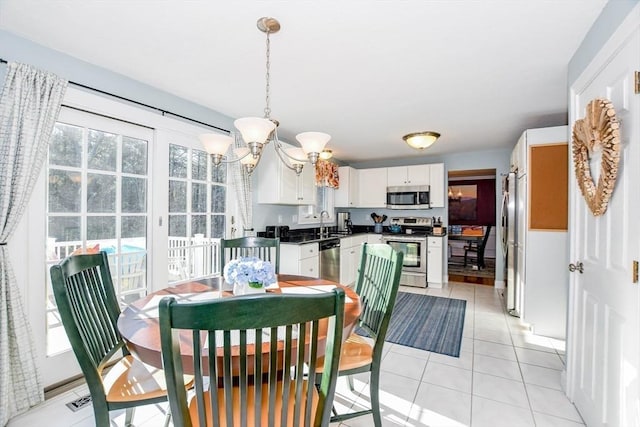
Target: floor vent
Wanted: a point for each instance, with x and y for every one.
(79, 403)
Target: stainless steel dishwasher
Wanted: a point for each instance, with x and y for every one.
(330, 260)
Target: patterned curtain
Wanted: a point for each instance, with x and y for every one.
(241, 182)
(327, 174)
(29, 106)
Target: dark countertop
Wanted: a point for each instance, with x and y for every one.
(307, 238)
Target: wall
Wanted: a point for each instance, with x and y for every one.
(614, 12)
(14, 48)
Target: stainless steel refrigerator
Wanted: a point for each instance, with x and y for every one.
(510, 241)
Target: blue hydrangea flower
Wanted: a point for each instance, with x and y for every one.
(249, 270)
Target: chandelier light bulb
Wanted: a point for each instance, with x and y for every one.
(326, 154)
(254, 129)
(313, 142)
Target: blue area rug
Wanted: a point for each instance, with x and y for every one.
(427, 322)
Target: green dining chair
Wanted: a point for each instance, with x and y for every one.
(276, 388)
(89, 310)
(266, 249)
(377, 285)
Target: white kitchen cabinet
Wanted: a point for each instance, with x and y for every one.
(276, 184)
(372, 188)
(408, 175)
(374, 239)
(346, 196)
(435, 260)
(350, 258)
(302, 259)
(437, 185)
(306, 186)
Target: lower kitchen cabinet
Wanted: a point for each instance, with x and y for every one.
(435, 259)
(302, 259)
(374, 238)
(350, 258)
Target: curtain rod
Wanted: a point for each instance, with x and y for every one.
(142, 104)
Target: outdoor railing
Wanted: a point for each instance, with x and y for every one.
(189, 258)
(193, 258)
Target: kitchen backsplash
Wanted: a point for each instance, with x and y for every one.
(362, 216)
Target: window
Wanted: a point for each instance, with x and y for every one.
(310, 214)
(97, 199)
(197, 206)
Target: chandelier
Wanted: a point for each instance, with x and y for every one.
(256, 132)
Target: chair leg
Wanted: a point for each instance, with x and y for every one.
(167, 419)
(374, 391)
(101, 414)
(128, 418)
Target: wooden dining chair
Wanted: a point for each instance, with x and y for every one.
(377, 285)
(89, 310)
(475, 250)
(266, 249)
(276, 388)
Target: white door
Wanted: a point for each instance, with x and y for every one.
(604, 329)
(92, 195)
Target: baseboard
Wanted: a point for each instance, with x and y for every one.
(470, 279)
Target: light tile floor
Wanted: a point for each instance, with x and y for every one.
(504, 376)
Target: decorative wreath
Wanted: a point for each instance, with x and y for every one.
(598, 131)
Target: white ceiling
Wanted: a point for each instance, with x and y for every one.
(366, 72)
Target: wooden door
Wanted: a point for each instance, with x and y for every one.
(603, 332)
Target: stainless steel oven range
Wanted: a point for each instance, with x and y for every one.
(412, 241)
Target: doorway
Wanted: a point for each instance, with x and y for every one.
(471, 253)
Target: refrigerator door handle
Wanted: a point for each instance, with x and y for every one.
(503, 220)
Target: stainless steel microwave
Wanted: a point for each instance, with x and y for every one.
(408, 197)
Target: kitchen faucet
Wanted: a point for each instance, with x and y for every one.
(323, 215)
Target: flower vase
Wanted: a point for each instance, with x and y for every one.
(240, 288)
(257, 289)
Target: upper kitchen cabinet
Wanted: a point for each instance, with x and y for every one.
(408, 175)
(279, 185)
(346, 196)
(436, 185)
(372, 188)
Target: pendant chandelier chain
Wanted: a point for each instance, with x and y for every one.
(267, 108)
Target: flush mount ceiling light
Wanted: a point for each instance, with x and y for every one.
(421, 140)
(326, 154)
(256, 132)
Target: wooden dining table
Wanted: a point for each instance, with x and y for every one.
(139, 323)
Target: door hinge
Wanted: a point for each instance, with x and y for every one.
(637, 82)
(635, 271)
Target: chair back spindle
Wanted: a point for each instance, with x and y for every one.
(88, 306)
